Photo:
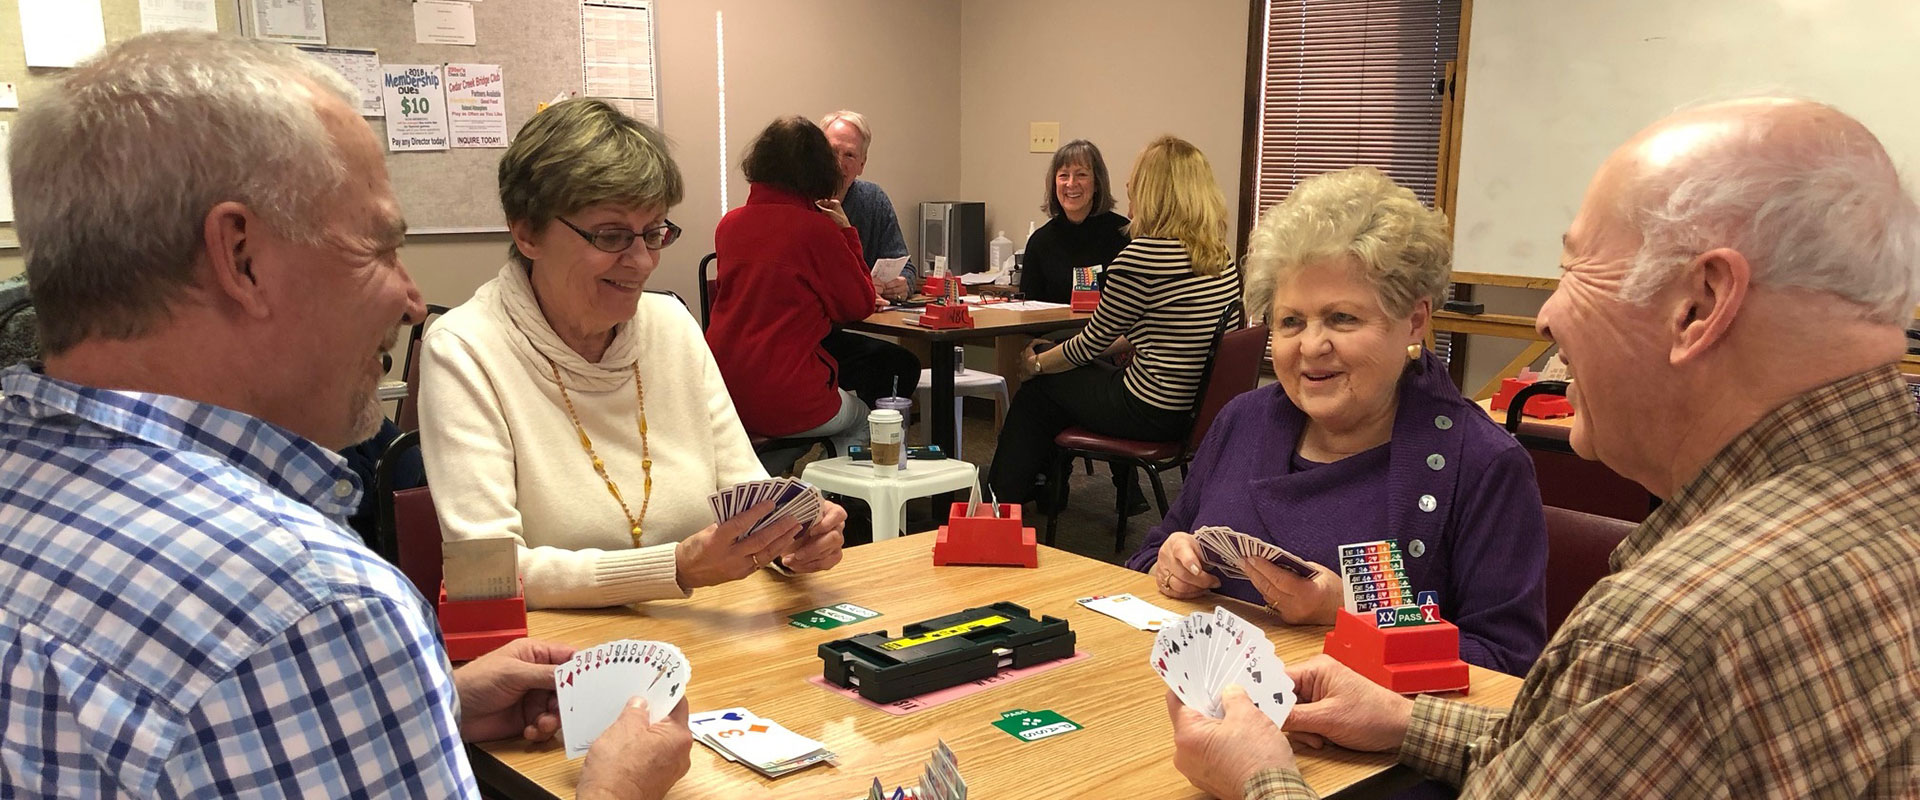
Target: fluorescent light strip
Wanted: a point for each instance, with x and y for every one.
(720, 56)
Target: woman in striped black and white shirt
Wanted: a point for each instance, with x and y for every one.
(1163, 296)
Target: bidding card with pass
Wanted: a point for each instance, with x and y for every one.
(595, 685)
(1204, 653)
(1224, 548)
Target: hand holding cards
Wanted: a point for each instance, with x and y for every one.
(597, 682)
(793, 499)
(1225, 547)
(1205, 653)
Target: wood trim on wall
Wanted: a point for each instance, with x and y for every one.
(1250, 128)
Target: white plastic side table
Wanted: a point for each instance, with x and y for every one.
(888, 496)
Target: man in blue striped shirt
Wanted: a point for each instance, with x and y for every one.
(211, 239)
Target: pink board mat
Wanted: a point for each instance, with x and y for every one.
(942, 696)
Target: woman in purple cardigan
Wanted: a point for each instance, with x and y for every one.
(1364, 437)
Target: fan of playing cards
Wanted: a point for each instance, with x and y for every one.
(792, 498)
(1206, 652)
(595, 685)
(1225, 547)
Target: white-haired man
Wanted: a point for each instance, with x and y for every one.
(211, 242)
(1735, 288)
(865, 203)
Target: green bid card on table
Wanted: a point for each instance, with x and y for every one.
(834, 616)
(1032, 726)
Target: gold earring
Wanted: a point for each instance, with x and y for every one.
(1413, 352)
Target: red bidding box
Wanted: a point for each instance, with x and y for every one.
(1410, 660)
(986, 541)
(1540, 406)
(938, 316)
(474, 628)
(1083, 300)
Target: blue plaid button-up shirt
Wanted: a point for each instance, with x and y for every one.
(182, 613)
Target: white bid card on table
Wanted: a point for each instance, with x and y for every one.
(416, 102)
(291, 21)
(61, 33)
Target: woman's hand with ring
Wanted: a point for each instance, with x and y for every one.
(713, 556)
(1179, 567)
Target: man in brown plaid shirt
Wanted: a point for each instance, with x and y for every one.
(1735, 288)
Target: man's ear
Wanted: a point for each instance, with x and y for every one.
(1705, 299)
(235, 238)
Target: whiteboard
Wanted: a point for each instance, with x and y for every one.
(1553, 86)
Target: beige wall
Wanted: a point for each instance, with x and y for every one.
(1115, 72)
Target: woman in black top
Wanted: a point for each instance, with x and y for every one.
(1083, 230)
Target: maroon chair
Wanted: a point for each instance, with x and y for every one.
(1234, 369)
(1578, 545)
(407, 413)
(409, 530)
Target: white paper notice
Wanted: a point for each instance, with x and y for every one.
(442, 22)
(168, 15)
(361, 68)
(477, 105)
(6, 187)
(416, 103)
(61, 33)
(617, 56)
(295, 21)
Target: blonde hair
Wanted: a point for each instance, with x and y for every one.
(854, 118)
(1174, 196)
(1402, 246)
(583, 152)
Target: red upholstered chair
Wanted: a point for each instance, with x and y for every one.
(409, 530)
(1235, 369)
(1578, 545)
(1567, 480)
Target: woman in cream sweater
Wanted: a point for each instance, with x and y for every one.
(565, 408)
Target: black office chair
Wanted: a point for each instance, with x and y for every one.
(709, 284)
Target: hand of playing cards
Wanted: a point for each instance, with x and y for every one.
(792, 498)
(1224, 547)
(1208, 651)
(760, 743)
(597, 682)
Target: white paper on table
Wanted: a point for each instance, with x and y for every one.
(1028, 305)
(443, 22)
(477, 105)
(168, 15)
(415, 98)
(977, 278)
(291, 21)
(886, 269)
(61, 33)
(6, 187)
(360, 67)
(617, 56)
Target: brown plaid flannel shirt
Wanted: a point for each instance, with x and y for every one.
(1758, 636)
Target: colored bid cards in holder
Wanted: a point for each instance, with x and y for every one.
(595, 685)
(1206, 652)
(1373, 575)
(741, 736)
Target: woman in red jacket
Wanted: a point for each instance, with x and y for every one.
(790, 269)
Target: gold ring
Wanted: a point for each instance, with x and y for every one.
(755, 558)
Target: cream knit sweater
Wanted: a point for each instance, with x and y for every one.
(503, 459)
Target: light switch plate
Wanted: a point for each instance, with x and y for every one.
(9, 96)
(1043, 137)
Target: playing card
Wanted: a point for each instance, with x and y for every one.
(760, 743)
(1203, 653)
(1131, 610)
(594, 686)
(1224, 548)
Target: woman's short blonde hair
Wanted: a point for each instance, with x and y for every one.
(1172, 195)
(1402, 246)
(584, 152)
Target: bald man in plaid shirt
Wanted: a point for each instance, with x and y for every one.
(1734, 292)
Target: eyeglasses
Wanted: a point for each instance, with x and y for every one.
(617, 240)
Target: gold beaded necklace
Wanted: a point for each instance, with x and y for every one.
(646, 460)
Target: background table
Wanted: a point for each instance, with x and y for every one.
(988, 323)
(744, 654)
